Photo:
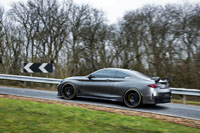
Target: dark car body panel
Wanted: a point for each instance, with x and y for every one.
(96, 87)
(114, 88)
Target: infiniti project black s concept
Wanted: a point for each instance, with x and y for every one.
(128, 86)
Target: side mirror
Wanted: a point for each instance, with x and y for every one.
(90, 77)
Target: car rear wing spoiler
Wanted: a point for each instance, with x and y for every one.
(158, 79)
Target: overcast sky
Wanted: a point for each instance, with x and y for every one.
(114, 9)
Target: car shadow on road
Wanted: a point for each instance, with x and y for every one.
(152, 107)
(117, 104)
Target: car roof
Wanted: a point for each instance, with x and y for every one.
(118, 69)
(127, 71)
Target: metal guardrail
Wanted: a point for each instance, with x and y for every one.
(178, 91)
(185, 92)
(30, 79)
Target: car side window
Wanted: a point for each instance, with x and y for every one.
(104, 74)
(121, 75)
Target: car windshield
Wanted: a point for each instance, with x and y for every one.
(140, 75)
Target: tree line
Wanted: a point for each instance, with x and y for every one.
(156, 40)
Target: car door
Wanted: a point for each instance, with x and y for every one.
(119, 84)
(99, 85)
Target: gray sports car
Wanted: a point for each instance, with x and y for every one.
(128, 86)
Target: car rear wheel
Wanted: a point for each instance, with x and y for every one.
(132, 98)
(68, 92)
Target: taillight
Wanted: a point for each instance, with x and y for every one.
(153, 86)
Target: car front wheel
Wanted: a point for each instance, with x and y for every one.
(68, 92)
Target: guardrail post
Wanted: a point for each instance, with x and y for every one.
(184, 99)
(24, 84)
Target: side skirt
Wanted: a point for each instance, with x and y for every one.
(99, 98)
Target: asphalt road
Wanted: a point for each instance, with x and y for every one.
(170, 109)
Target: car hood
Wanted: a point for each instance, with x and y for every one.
(75, 78)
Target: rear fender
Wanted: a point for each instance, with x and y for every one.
(133, 89)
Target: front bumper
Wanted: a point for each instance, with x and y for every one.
(59, 90)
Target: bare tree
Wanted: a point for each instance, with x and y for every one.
(1, 39)
(158, 40)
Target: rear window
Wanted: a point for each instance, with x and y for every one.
(140, 75)
(121, 75)
(137, 74)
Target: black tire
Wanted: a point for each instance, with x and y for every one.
(68, 92)
(153, 105)
(132, 98)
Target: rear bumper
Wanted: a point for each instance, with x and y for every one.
(162, 98)
(159, 98)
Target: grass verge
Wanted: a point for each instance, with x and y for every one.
(27, 116)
